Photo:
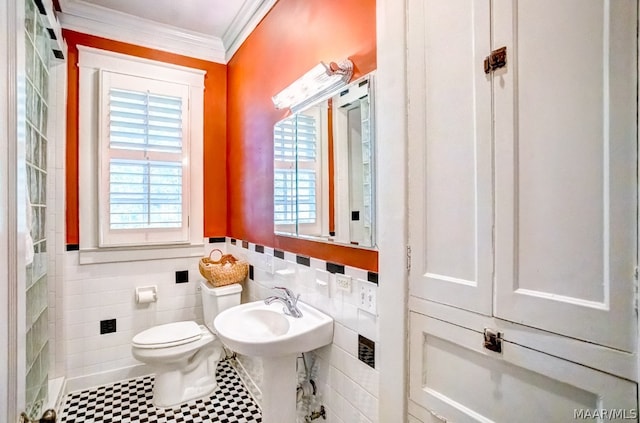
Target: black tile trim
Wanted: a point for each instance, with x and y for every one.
(278, 253)
(73, 247)
(367, 351)
(217, 239)
(52, 33)
(335, 268)
(372, 277)
(182, 276)
(107, 326)
(58, 54)
(303, 260)
(233, 241)
(259, 248)
(245, 244)
(251, 271)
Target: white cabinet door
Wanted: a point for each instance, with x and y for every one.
(566, 167)
(450, 169)
(523, 198)
(544, 151)
(454, 379)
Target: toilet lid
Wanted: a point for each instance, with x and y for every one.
(169, 335)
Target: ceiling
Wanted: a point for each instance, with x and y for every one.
(206, 29)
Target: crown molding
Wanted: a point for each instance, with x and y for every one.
(247, 19)
(103, 22)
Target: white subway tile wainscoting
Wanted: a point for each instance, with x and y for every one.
(345, 386)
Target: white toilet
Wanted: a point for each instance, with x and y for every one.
(184, 355)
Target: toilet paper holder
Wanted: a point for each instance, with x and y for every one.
(146, 294)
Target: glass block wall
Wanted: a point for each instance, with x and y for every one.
(37, 326)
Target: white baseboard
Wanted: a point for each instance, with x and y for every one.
(105, 378)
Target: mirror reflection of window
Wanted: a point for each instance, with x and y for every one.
(324, 170)
(284, 139)
(299, 159)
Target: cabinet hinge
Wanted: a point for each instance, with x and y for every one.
(408, 258)
(492, 340)
(496, 60)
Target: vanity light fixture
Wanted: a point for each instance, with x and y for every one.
(320, 82)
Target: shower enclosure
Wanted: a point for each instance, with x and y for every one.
(37, 58)
(30, 47)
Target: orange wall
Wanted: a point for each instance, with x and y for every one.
(215, 192)
(295, 36)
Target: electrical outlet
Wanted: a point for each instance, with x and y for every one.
(367, 297)
(343, 282)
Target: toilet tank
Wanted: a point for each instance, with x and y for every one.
(216, 300)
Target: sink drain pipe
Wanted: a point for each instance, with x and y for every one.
(307, 388)
(305, 391)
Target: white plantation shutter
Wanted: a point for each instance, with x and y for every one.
(141, 120)
(295, 188)
(284, 153)
(144, 151)
(307, 148)
(285, 197)
(145, 194)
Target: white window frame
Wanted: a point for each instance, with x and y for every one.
(93, 65)
(119, 237)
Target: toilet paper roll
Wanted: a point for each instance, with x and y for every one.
(145, 297)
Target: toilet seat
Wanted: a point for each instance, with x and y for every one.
(168, 335)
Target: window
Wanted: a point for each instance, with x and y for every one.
(140, 158)
(144, 161)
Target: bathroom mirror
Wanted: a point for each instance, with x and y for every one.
(324, 169)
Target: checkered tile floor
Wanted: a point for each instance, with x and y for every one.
(130, 401)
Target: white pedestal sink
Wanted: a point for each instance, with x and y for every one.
(261, 330)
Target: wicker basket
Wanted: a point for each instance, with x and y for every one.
(224, 271)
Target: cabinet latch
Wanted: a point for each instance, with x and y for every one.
(496, 60)
(493, 340)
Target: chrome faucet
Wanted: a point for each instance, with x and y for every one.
(289, 299)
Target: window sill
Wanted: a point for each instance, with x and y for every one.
(124, 254)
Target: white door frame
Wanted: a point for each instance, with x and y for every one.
(13, 216)
(391, 200)
(5, 11)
